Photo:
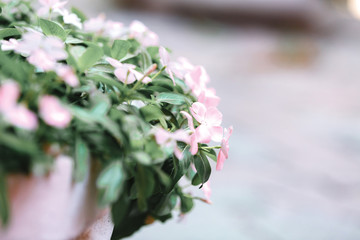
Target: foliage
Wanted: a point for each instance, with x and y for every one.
(96, 90)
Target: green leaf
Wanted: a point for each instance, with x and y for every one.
(4, 202)
(163, 177)
(79, 13)
(119, 49)
(51, 28)
(203, 167)
(187, 203)
(111, 182)
(18, 144)
(210, 153)
(151, 112)
(8, 32)
(120, 209)
(82, 156)
(90, 57)
(142, 158)
(107, 80)
(172, 98)
(101, 106)
(196, 180)
(153, 149)
(145, 184)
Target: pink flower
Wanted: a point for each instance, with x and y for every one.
(181, 67)
(100, 26)
(224, 151)
(17, 115)
(197, 80)
(210, 120)
(47, 5)
(22, 117)
(208, 97)
(68, 75)
(165, 61)
(113, 29)
(9, 94)
(41, 59)
(146, 37)
(95, 25)
(70, 18)
(169, 139)
(193, 137)
(10, 45)
(126, 73)
(53, 113)
(43, 52)
(209, 128)
(207, 192)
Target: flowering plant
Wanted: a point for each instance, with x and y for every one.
(96, 90)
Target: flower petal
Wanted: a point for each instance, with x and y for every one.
(198, 110)
(203, 134)
(213, 117)
(216, 133)
(190, 120)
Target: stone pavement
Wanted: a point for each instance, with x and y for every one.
(294, 101)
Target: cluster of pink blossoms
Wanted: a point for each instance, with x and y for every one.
(116, 30)
(204, 110)
(20, 116)
(56, 6)
(44, 53)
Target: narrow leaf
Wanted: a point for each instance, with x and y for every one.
(8, 32)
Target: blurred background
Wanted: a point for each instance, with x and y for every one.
(288, 73)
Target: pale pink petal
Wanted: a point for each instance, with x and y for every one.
(70, 18)
(181, 136)
(161, 136)
(136, 28)
(190, 120)
(203, 134)
(216, 133)
(164, 56)
(224, 151)
(193, 144)
(213, 117)
(198, 110)
(140, 76)
(113, 62)
(228, 132)
(30, 42)
(22, 117)
(204, 77)
(150, 39)
(178, 153)
(54, 47)
(208, 98)
(124, 76)
(220, 161)
(42, 60)
(53, 113)
(168, 71)
(68, 75)
(113, 29)
(207, 191)
(9, 94)
(95, 25)
(10, 45)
